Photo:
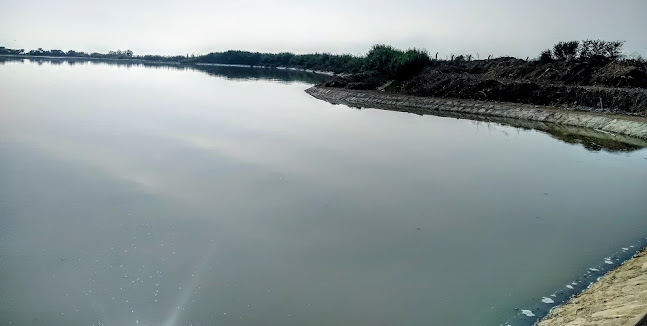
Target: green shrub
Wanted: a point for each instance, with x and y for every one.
(410, 63)
(380, 58)
(396, 64)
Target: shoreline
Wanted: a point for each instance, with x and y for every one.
(634, 127)
(617, 298)
(318, 72)
(619, 295)
(132, 60)
(170, 63)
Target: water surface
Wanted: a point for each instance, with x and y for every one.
(134, 195)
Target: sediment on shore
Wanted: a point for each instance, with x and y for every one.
(632, 126)
(618, 298)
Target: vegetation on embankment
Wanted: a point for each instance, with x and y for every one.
(589, 75)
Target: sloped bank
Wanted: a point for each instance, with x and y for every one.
(617, 299)
(632, 126)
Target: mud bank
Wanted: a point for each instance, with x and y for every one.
(632, 126)
(618, 298)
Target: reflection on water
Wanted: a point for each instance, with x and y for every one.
(286, 75)
(593, 140)
(132, 195)
(226, 71)
(590, 139)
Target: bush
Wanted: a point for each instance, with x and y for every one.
(410, 63)
(380, 57)
(546, 56)
(608, 49)
(565, 50)
(396, 64)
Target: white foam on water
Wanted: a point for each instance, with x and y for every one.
(570, 286)
(528, 313)
(594, 269)
(607, 261)
(547, 300)
(625, 249)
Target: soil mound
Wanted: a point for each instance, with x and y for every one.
(593, 84)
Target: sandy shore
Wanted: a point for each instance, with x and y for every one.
(633, 126)
(617, 299)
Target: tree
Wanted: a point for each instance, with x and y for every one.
(546, 56)
(608, 49)
(565, 50)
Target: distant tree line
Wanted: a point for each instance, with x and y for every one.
(6, 51)
(317, 61)
(383, 59)
(117, 54)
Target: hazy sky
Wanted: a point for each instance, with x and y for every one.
(499, 27)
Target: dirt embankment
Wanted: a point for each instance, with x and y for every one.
(594, 84)
(617, 299)
(632, 126)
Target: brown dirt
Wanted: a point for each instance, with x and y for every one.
(596, 71)
(617, 299)
(595, 84)
(612, 100)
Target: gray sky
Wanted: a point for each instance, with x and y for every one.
(499, 27)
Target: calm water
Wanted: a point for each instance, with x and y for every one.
(134, 195)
